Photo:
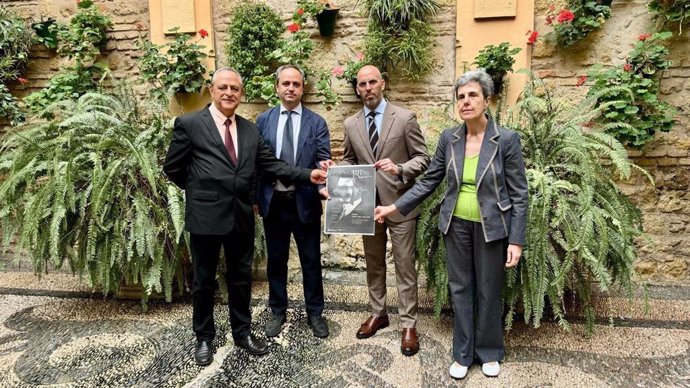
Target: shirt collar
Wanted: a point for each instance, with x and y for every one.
(218, 116)
(379, 109)
(298, 109)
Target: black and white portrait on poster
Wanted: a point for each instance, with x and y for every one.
(350, 210)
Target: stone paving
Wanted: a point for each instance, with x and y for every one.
(55, 333)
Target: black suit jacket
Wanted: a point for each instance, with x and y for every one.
(219, 195)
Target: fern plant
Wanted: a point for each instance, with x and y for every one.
(581, 227)
(85, 188)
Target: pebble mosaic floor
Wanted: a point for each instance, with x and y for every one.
(56, 339)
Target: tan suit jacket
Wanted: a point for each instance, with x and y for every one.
(400, 140)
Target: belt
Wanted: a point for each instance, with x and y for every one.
(284, 194)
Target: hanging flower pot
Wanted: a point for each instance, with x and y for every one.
(326, 21)
(498, 84)
(46, 30)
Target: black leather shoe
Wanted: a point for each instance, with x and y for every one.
(253, 345)
(203, 355)
(274, 325)
(318, 326)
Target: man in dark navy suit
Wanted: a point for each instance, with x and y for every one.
(214, 156)
(300, 137)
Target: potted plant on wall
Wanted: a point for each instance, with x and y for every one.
(178, 71)
(497, 61)
(324, 12)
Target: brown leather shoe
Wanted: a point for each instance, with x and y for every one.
(410, 342)
(371, 326)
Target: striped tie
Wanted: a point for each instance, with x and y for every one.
(373, 133)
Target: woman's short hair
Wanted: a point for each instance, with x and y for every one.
(479, 76)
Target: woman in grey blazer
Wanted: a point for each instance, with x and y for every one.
(483, 216)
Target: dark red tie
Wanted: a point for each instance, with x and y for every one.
(229, 144)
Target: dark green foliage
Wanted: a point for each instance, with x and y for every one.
(85, 188)
(80, 40)
(399, 36)
(15, 43)
(581, 227)
(84, 36)
(253, 34)
(497, 60)
(172, 68)
(589, 16)
(632, 93)
(671, 12)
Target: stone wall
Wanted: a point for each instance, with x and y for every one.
(666, 203)
(130, 21)
(424, 97)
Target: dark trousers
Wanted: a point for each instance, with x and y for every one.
(475, 277)
(239, 252)
(282, 221)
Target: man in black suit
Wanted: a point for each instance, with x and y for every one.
(214, 156)
(300, 137)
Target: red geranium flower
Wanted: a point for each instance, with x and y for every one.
(644, 37)
(203, 33)
(565, 15)
(300, 11)
(581, 80)
(22, 80)
(360, 56)
(338, 71)
(627, 67)
(533, 35)
(549, 20)
(294, 27)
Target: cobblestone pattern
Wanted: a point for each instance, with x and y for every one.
(666, 205)
(72, 342)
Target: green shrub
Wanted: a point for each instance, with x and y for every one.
(175, 67)
(671, 12)
(85, 188)
(80, 40)
(15, 44)
(579, 19)
(253, 34)
(399, 36)
(633, 93)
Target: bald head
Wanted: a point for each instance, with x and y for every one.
(370, 86)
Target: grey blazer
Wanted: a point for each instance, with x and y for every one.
(501, 182)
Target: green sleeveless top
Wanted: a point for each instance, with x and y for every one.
(467, 206)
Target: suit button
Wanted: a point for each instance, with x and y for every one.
(484, 218)
(481, 203)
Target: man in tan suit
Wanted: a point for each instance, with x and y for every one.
(388, 137)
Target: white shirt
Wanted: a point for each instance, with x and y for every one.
(219, 118)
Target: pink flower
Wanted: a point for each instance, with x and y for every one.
(627, 67)
(533, 35)
(294, 27)
(359, 56)
(300, 11)
(565, 15)
(22, 80)
(581, 80)
(203, 33)
(338, 71)
(644, 37)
